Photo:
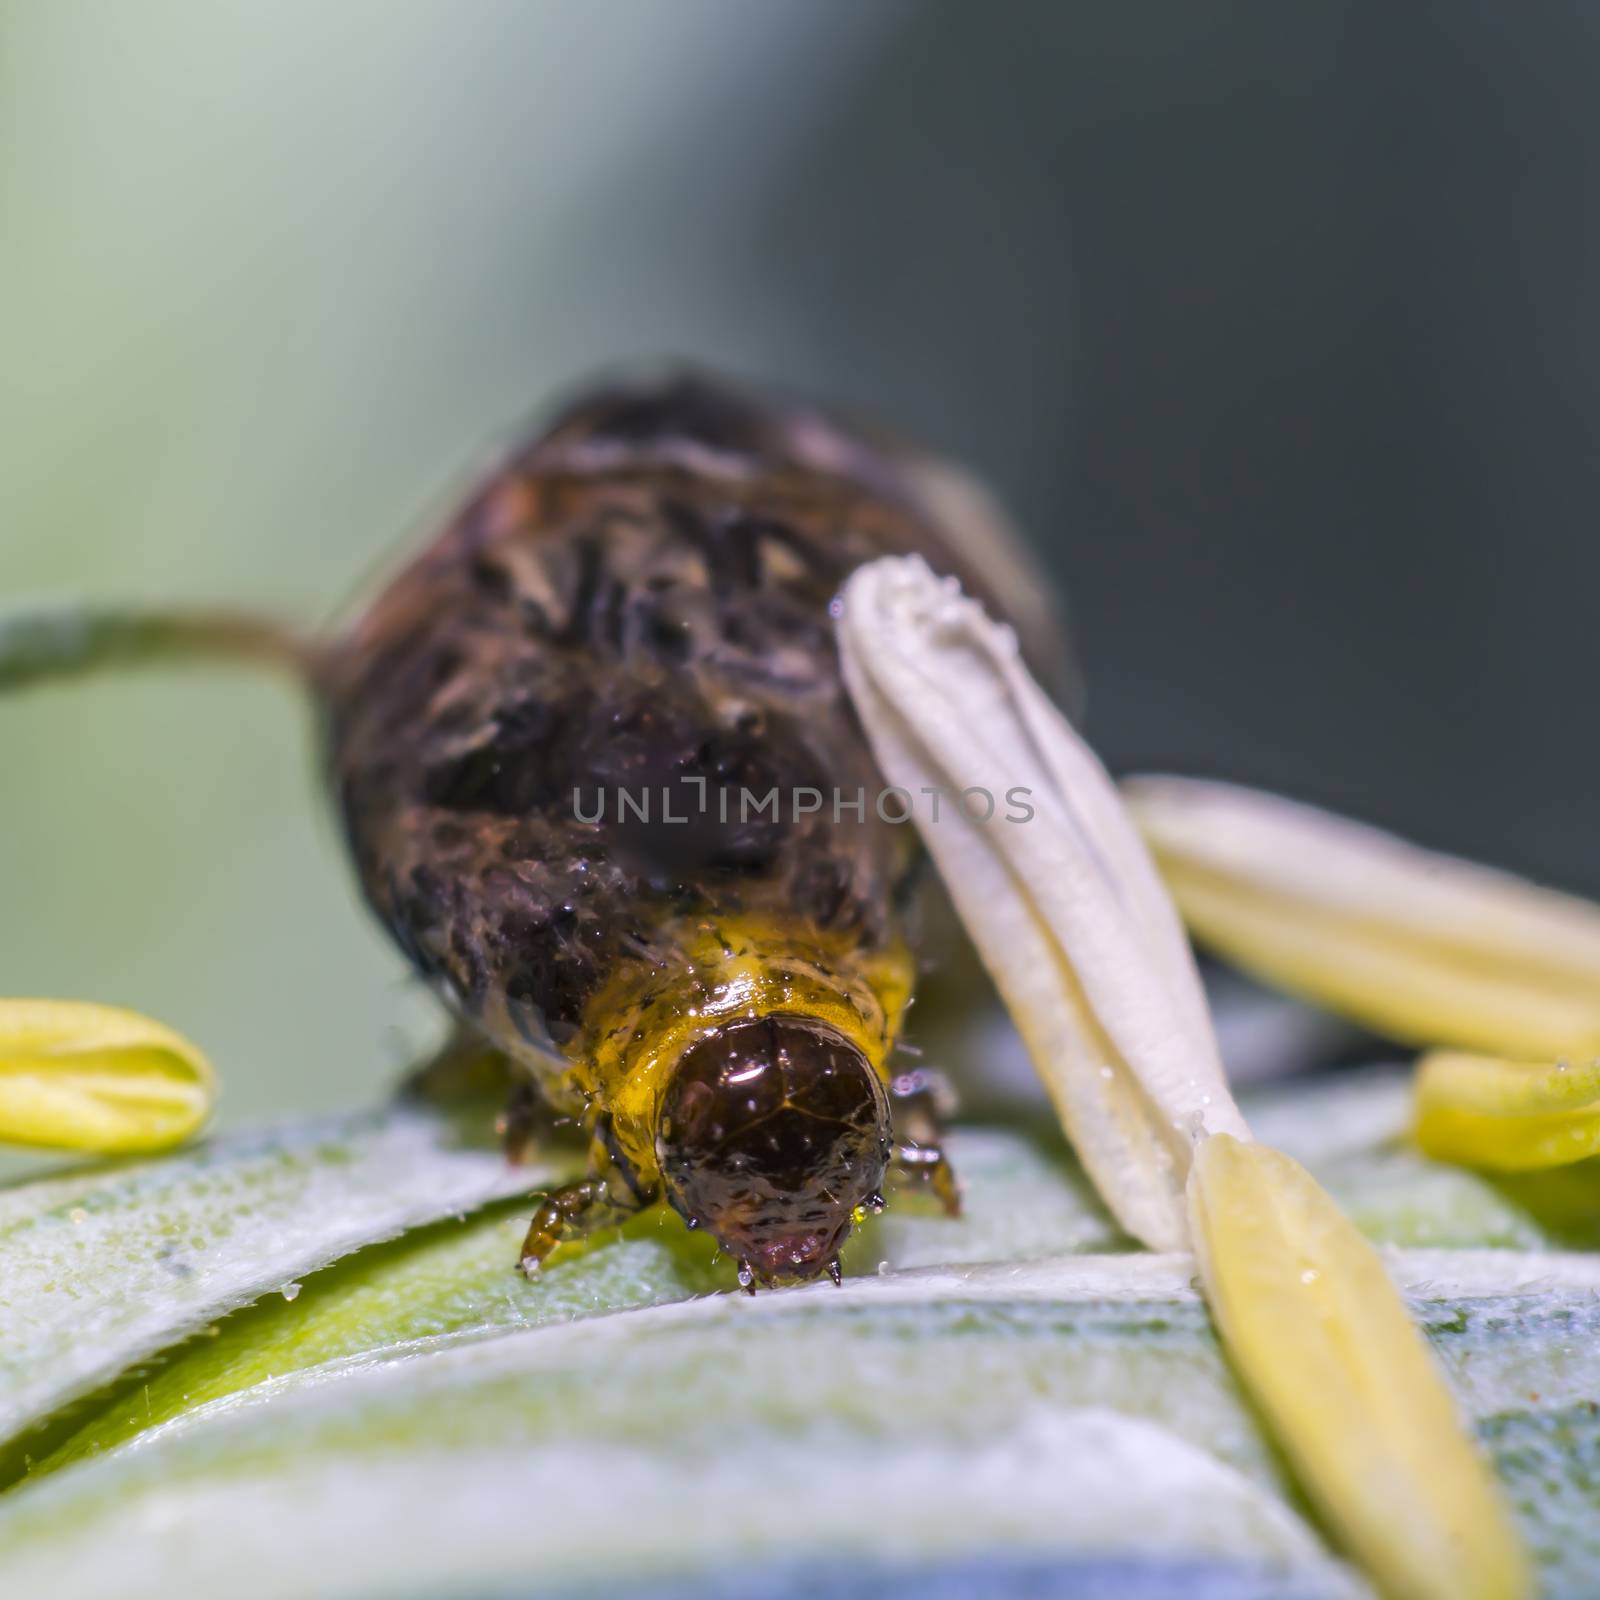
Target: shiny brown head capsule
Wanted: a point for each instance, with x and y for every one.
(774, 1131)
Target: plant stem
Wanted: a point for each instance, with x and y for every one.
(40, 644)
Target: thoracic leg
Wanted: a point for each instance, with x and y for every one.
(609, 1195)
(571, 1212)
(919, 1137)
(468, 1067)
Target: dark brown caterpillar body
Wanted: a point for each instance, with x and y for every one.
(554, 740)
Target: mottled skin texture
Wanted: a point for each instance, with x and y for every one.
(639, 599)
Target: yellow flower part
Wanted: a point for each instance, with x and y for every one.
(1426, 948)
(1507, 1116)
(75, 1076)
(1323, 1343)
(1085, 948)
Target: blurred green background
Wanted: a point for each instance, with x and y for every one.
(1275, 324)
(277, 279)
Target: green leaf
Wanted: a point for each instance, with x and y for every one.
(971, 1412)
(1014, 1398)
(455, 1280)
(1072, 1410)
(106, 1266)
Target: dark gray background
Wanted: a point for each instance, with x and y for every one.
(1277, 326)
